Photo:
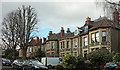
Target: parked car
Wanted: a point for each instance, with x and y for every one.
(112, 66)
(6, 62)
(51, 62)
(33, 65)
(17, 64)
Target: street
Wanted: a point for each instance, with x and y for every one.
(10, 68)
(7, 68)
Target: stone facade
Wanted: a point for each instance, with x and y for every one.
(101, 33)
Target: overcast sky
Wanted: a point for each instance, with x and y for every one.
(54, 15)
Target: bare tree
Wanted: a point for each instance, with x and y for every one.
(18, 28)
(108, 6)
(9, 33)
(27, 19)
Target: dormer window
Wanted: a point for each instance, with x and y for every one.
(86, 29)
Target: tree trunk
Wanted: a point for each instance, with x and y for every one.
(24, 54)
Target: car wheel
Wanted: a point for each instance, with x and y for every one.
(49, 66)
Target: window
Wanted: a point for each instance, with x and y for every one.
(52, 45)
(97, 36)
(85, 42)
(67, 52)
(63, 54)
(80, 41)
(75, 53)
(86, 29)
(92, 38)
(103, 36)
(61, 44)
(48, 46)
(75, 43)
(67, 44)
(97, 48)
(30, 50)
(85, 54)
(37, 48)
(52, 54)
(92, 49)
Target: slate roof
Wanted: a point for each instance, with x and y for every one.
(58, 36)
(68, 35)
(102, 23)
(55, 36)
(34, 43)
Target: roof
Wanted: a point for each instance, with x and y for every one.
(68, 35)
(34, 43)
(55, 36)
(102, 23)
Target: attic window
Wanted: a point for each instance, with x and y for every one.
(86, 29)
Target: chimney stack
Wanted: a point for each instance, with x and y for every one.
(88, 20)
(116, 17)
(62, 32)
(41, 40)
(50, 33)
(31, 39)
(68, 30)
(37, 39)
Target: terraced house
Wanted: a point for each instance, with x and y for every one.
(93, 35)
(101, 33)
(65, 43)
(34, 45)
(52, 45)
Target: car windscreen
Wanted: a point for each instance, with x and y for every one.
(37, 63)
(111, 64)
(19, 61)
(5, 60)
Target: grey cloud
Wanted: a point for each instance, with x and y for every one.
(57, 14)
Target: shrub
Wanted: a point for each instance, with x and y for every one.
(69, 61)
(116, 57)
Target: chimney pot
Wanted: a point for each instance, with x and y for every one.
(62, 32)
(88, 20)
(68, 30)
(50, 33)
(116, 17)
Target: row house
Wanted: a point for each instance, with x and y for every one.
(65, 43)
(34, 45)
(101, 33)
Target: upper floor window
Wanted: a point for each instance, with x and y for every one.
(52, 45)
(30, 50)
(80, 41)
(67, 44)
(85, 41)
(75, 43)
(86, 29)
(61, 44)
(103, 35)
(48, 46)
(97, 36)
(92, 38)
